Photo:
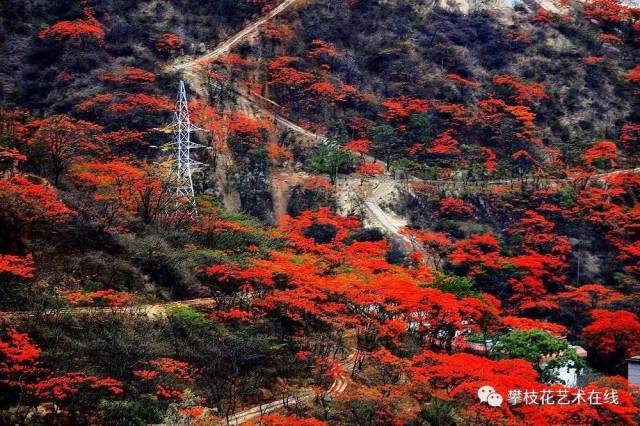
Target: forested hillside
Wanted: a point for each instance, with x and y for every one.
(404, 212)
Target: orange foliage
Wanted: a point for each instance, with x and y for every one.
(454, 208)
(282, 420)
(524, 93)
(278, 154)
(16, 266)
(634, 74)
(208, 118)
(123, 188)
(536, 233)
(543, 16)
(248, 130)
(317, 182)
(462, 81)
(97, 100)
(445, 144)
(358, 146)
(630, 136)
(321, 48)
(476, 253)
(25, 202)
(592, 60)
(142, 101)
(370, 169)
(23, 373)
(169, 377)
(130, 76)
(399, 109)
(168, 44)
(122, 138)
(110, 298)
(458, 112)
(528, 324)
(602, 151)
(614, 334)
(280, 72)
(606, 11)
(327, 90)
(490, 164)
(78, 30)
(60, 139)
(591, 296)
(280, 31)
(610, 38)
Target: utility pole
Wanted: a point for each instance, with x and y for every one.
(182, 145)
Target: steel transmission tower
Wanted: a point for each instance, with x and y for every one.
(182, 145)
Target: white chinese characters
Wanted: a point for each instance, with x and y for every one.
(563, 397)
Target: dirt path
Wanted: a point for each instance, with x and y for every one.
(338, 386)
(152, 311)
(239, 37)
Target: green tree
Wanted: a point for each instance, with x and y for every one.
(460, 286)
(329, 161)
(419, 129)
(385, 142)
(547, 353)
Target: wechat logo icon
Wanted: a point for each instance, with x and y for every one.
(489, 395)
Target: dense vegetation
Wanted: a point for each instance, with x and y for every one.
(513, 135)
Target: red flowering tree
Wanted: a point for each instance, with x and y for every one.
(398, 110)
(282, 72)
(130, 76)
(27, 207)
(124, 190)
(358, 146)
(543, 16)
(321, 48)
(130, 102)
(606, 11)
(455, 208)
(16, 266)
(166, 377)
(521, 92)
(612, 337)
(634, 74)
(369, 170)
(490, 164)
(602, 155)
(282, 420)
(444, 144)
(168, 44)
(477, 253)
(79, 31)
(60, 139)
(463, 81)
(246, 132)
(26, 379)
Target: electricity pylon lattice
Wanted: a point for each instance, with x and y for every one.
(184, 165)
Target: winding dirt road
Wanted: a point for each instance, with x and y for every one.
(152, 311)
(239, 37)
(338, 386)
